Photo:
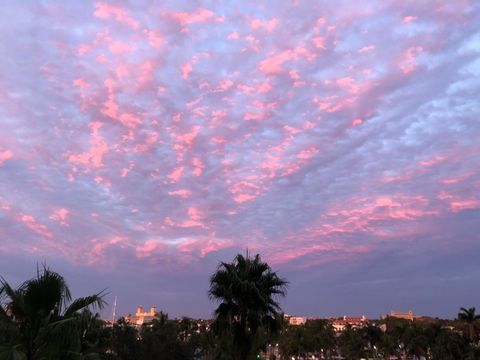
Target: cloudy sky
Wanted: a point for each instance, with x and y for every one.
(142, 142)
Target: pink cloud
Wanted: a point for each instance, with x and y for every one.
(110, 106)
(154, 38)
(273, 64)
(443, 195)
(194, 213)
(307, 154)
(97, 250)
(456, 179)
(252, 116)
(438, 159)
(122, 70)
(457, 202)
(347, 83)
(408, 60)
(186, 69)
(367, 213)
(200, 15)
(96, 253)
(5, 155)
(409, 19)
(101, 59)
(267, 25)
(150, 248)
(367, 48)
(461, 205)
(31, 223)
(176, 174)
(183, 193)
(203, 247)
(319, 42)
(357, 122)
(194, 220)
(93, 158)
(244, 191)
(108, 11)
(225, 85)
(129, 120)
(187, 138)
(449, 181)
(4, 205)
(327, 250)
(84, 49)
(101, 180)
(198, 166)
(149, 141)
(333, 103)
(81, 83)
(234, 35)
(264, 87)
(60, 215)
(119, 47)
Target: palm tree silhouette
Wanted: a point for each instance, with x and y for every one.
(43, 321)
(469, 317)
(247, 290)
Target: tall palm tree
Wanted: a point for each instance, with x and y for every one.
(44, 321)
(248, 292)
(469, 317)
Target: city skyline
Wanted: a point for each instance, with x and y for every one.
(144, 142)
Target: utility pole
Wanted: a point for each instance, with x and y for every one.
(114, 309)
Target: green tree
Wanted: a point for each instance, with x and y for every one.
(416, 341)
(447, 345)
(373, 336)
(470, 319)
(353, 344)
(43, 321)
(392, 343)
(93, 337)
(248, 292)
(294, 341)
(160, 340)
(123, 341)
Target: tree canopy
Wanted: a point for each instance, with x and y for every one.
(248, 292)
(43, 320)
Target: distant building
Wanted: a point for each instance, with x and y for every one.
(408, 315)
(142, 317)
(339, 325)
(296, 320)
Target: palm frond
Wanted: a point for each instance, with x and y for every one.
(14, 352)
(43, 318)
(47, 293)
(95, 301)
(13, 298)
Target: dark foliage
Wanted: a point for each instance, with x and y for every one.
(248, 292)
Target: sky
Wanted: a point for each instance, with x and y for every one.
(143, 142)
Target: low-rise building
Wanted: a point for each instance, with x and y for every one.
(408, 315)
(339, 325)
(296, 320)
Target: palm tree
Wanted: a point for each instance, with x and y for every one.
(248, 292)
(469, 317)
(43, 320)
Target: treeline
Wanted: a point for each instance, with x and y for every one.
(187, 338)
(390, 338)
(39, 320)
(162, 338)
